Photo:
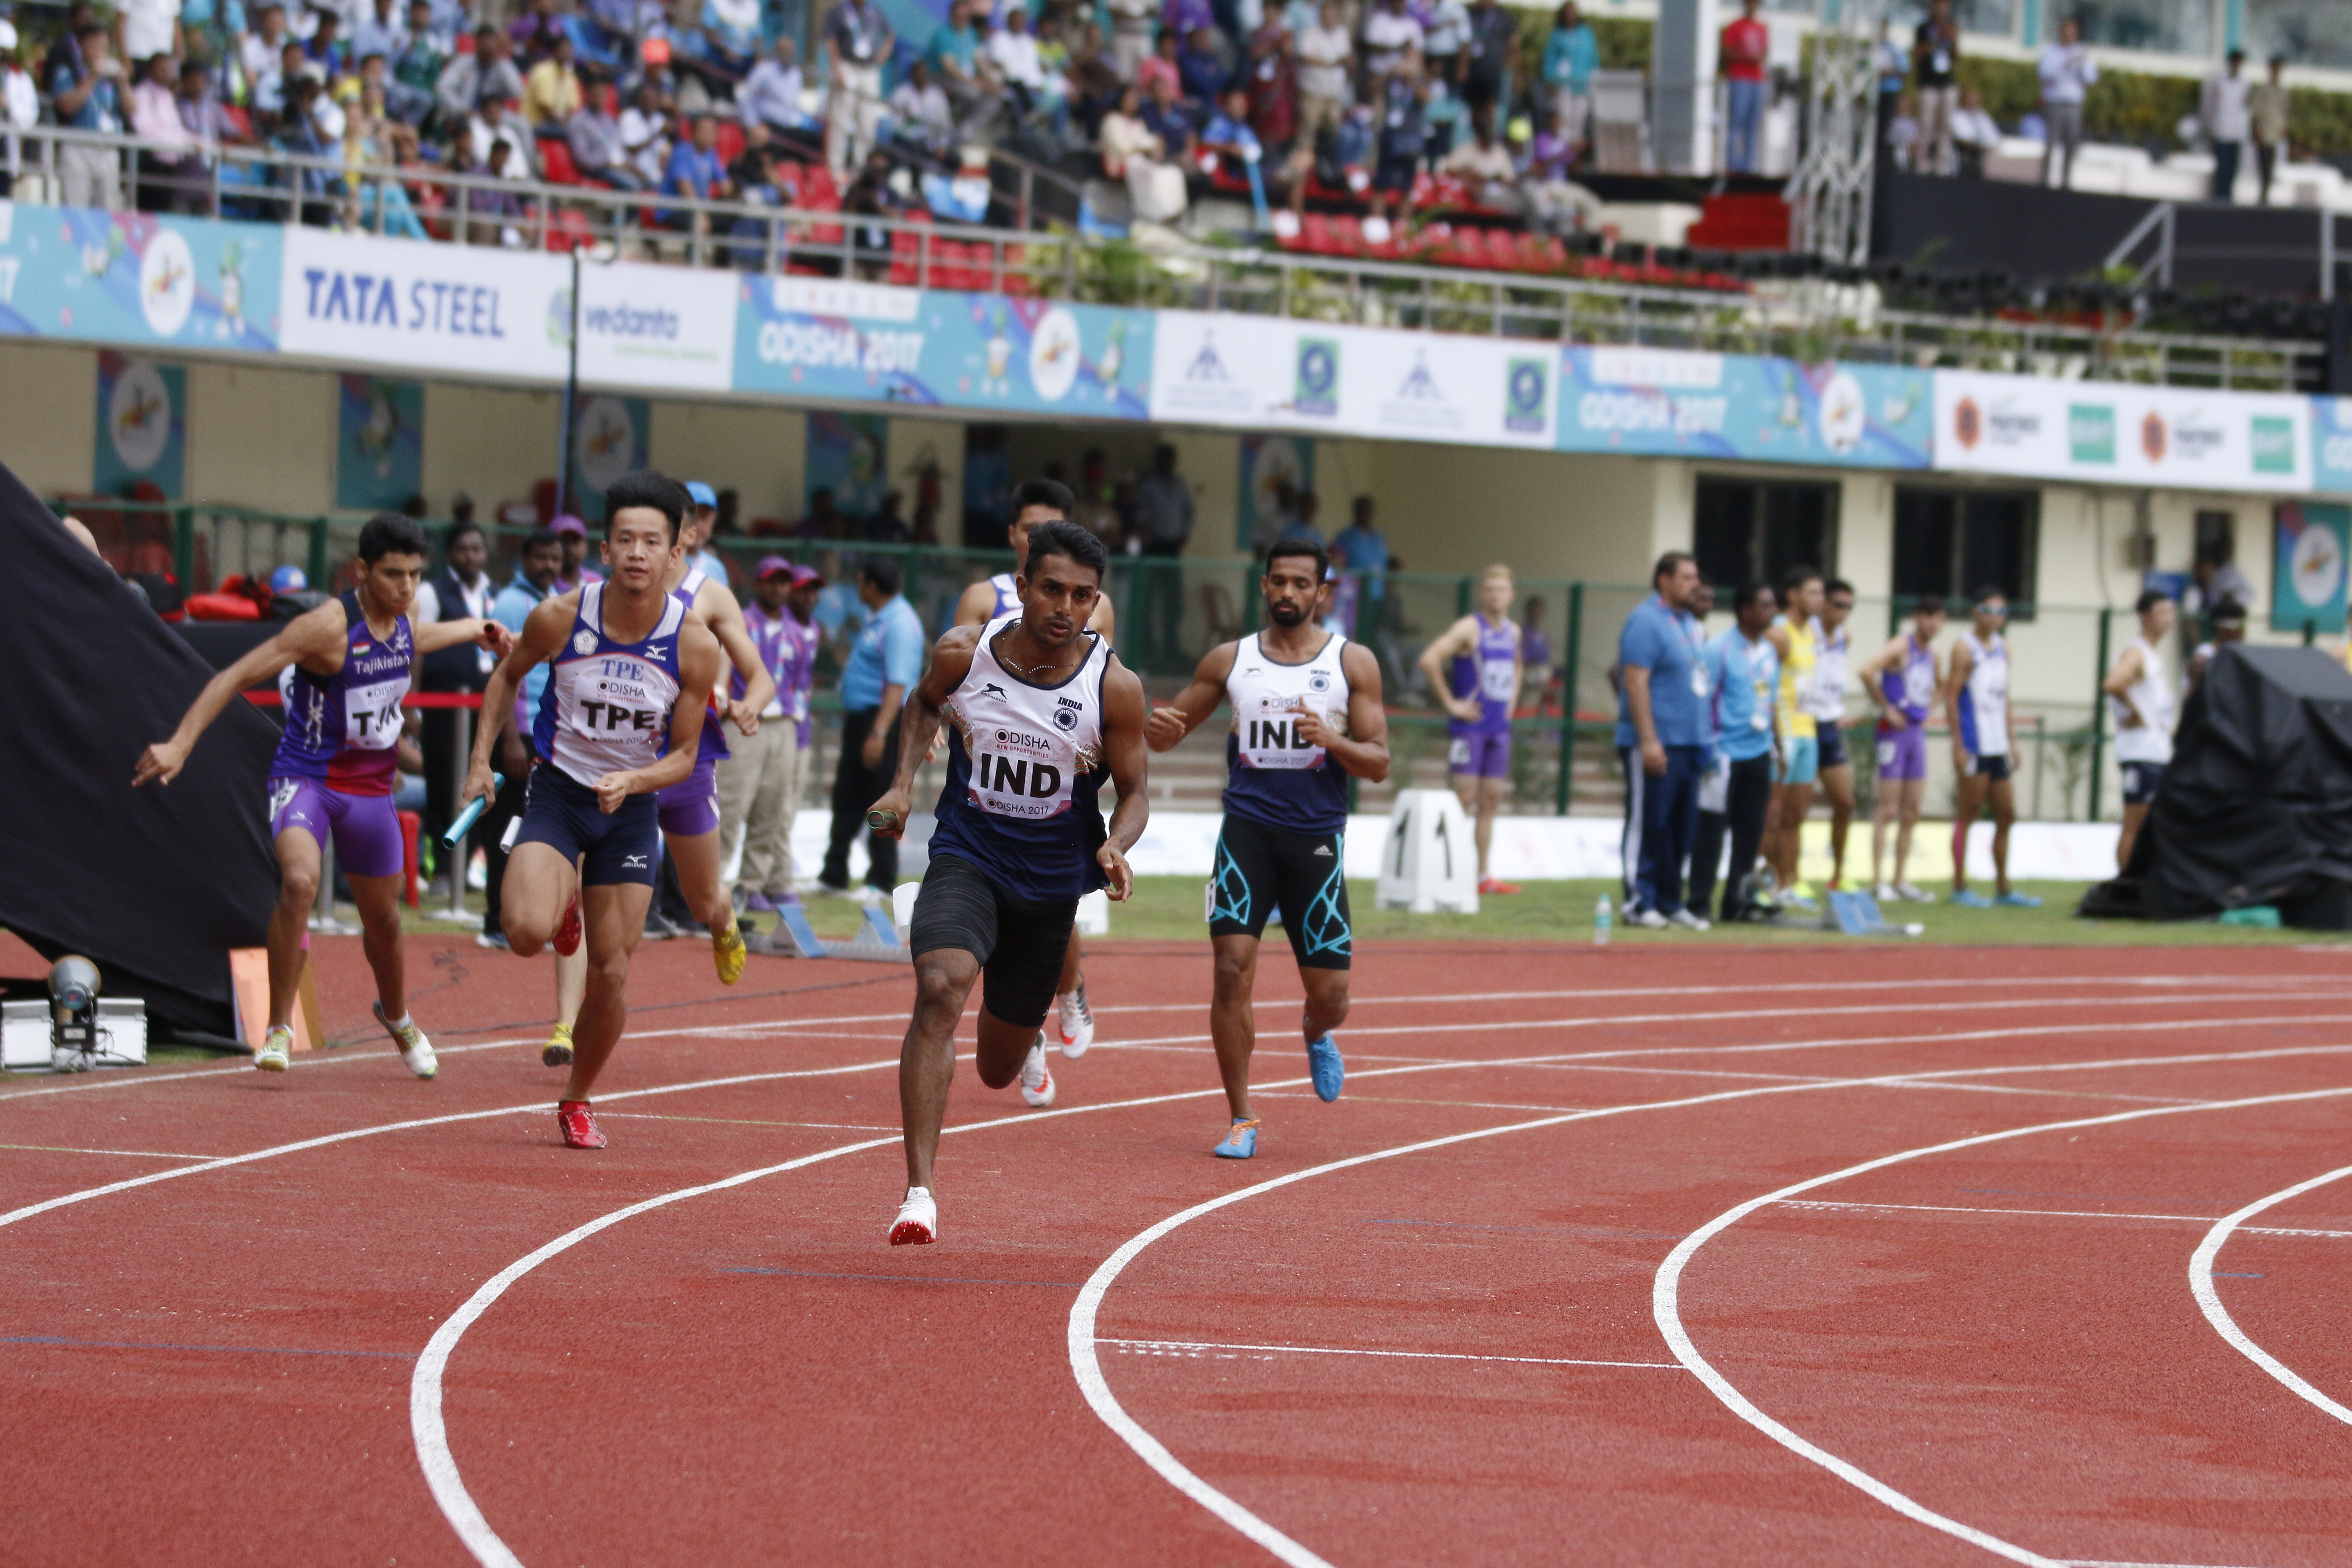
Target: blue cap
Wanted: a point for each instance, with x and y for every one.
(703, 494)
(287, 580)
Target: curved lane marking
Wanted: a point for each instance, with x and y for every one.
(2209, 1299)
(1665, 1308)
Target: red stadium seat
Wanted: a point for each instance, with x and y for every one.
(555, 163)
(730, 145)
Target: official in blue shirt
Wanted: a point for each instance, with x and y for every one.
(1661, 737)
(884, 663)
(1743, 675)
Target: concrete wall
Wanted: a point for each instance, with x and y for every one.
(262, 436)
(49, 415)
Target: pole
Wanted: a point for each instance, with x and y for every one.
(571, 395)
(2099, 711)
(1568, 695)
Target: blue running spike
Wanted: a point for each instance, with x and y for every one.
(1323, 1064)
(1239, 1144)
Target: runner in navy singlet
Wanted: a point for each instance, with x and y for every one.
(627, 693)
(1475, 666)
(348, 665)
(1043, 500)
(1041, 709)
(1306, 716)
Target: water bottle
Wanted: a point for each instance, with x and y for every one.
(1602, 919)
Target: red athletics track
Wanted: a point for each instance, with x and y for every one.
(1558, 1324)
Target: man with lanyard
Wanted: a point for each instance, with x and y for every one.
(1041, 709)
(688, 809)
(860, 41)
(884, 663)
(1743, 670)
(1825, 700)
(631, 672)
(1662, 729)
(1904, 678)
(760, 782)
(1306, 715)
(461, 590)
(1040, 502)
(2140, 691)
(1478, 691)
(346, 667)
(1984, 738)
(1801, 757)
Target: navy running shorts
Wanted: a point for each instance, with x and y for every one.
(1262, 868)
(562, 812)
(1020, 943)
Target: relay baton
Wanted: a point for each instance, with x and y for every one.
(882, 821)
(472, 814)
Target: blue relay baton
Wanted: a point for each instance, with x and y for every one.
(473, 814)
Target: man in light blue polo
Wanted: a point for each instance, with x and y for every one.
(885, 661)
(1661, 737)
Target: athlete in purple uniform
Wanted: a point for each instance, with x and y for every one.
(348, 663)
(1479, 690)
(1903, 679)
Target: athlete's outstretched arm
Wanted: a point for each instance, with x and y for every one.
(434, 636)
(918, 721)
(543, 631)
(1457, 640)
(1165, 727)
(314, 634)
(1363, 750)
(735, 637)
(1123, 747)
(700, 666)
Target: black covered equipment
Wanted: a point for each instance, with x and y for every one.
(155, 884)
(2256, 807)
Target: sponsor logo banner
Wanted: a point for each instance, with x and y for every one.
(1673, 403)
(868, 341)
(2117, 433)
(138, 280)
(2331, 445)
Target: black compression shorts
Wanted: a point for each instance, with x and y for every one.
(1261, 869)
(1020, 945)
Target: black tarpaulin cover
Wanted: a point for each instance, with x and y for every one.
(156, 885)
(2256, 807)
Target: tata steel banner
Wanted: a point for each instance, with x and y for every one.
(485, 311)
(814, 337)
(1254, 372)
(1671, 403)
(138, 280)
(2106, 432)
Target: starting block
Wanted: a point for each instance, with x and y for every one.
(876, 939)
(1857, 914)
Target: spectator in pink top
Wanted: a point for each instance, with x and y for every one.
(1746, 44)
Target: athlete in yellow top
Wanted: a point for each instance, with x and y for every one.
(1801, 759)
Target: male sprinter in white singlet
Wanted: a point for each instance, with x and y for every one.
(1825, 700)
(1043, 500)
(346, 666)
(1984, 742)
(1041, 709)
(1306, 712)
(622, 712)
(2139, 690)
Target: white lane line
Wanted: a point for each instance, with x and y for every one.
(2200, 1284)
(1665, 1307)
(2062, 1213)
(1267, 1352)
(2175, 980)
(126, 1153)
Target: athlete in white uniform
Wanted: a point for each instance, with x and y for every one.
(620, 719)
(1306, 715)
(2139, 693)
(1984, 739)
(1824, 699)
(1042, 710)
(1043, 500)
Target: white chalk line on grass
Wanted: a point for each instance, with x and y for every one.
(1665, 1307)
(1194, 1349)
(2209, 1299)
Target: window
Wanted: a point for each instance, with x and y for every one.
(2307, 32)
(1750, 528)
(1954, 541)
(2161, 27)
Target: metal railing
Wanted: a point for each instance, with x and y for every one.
(1810, 320)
